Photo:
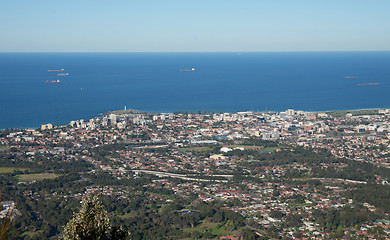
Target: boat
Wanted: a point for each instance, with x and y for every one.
(62, 74)
(349, 77)
(55, 70)
(367, 84)
(53, 81)
(187, 70)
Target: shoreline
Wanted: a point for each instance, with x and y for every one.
(202, 112)
(225, 82)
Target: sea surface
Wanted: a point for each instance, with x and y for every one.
(153, 82)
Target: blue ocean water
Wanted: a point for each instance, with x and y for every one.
(153, 82)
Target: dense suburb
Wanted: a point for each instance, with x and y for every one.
(241, 175)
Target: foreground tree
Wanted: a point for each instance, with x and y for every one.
(91, 223)
(5, 225)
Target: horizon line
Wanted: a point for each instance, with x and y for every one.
(290, 51)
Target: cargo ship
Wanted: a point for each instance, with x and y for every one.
(187, 70)
(56, 70)
(53, 81)
(367, 84)
(62, 74)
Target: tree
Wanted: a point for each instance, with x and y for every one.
(5, 223)
(91, 222)
(5, 226)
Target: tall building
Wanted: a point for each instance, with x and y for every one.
(46, 126)
(112, 118)
(290, 112)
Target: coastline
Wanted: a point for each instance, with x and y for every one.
(264, 82)
(133, 111)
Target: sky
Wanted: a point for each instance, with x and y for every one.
(194, 26)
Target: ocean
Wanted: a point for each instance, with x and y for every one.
(153, 82)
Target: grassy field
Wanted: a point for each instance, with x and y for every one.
(196, 149)
(10, 169)
(271, 149)
(172, 197)
(35, 177)
(4, 148)
(127, 111)
(353, 112)
(246, 147)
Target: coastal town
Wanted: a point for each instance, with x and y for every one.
(289, 175)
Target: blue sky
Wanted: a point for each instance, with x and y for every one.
(194, 26)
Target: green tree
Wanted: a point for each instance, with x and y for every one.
(5, 226)
(6, 223)
(91, 222)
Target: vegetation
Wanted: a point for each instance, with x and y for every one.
(377, 195)
(11, 169)
(127, 111)
(196, 149)
(5, 225)
(268, 190)
(331, 220)
(353, 112)
(35, 177)
(91, 222)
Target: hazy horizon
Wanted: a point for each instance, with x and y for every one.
(201, 26)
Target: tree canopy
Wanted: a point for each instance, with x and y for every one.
(91, 222)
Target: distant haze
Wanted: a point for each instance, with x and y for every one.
(194, 26)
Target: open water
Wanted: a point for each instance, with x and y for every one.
(153, 82)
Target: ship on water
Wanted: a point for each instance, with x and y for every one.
(59, 74)
(62, 74)
(187, 70)
(367, 84)
(53, 81)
